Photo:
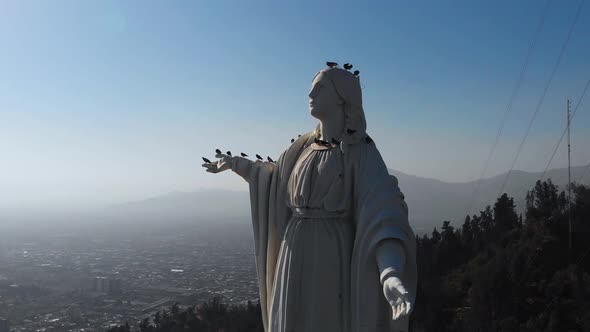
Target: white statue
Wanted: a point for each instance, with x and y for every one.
(334, 250)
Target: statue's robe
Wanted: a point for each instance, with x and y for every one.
(379, 213)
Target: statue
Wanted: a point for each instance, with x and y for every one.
(334, 249)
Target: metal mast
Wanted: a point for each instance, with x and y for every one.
(569, 178)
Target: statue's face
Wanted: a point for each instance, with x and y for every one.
(323, 97)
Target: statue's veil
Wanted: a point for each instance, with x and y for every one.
(348, 88)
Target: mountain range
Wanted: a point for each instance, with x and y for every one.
(430, 201)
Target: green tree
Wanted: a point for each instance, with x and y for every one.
(505, 217)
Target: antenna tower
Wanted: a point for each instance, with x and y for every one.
(569, 179)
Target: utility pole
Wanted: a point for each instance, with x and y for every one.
(569, 179)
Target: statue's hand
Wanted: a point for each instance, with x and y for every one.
(397, 296)
(222, 164)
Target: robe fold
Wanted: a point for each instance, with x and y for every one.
(379, 213)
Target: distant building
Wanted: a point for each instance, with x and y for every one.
(75, 314)
(107, 285)
(4, 325)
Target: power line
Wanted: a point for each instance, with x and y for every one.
(542, 97)
(584, 173)
(565, 130)
(508, 108)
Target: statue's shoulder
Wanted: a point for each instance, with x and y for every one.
(301, 142)
(296, 148)
(365, 148)
(367, 158)
(309, 136)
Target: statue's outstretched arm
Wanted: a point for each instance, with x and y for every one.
(380, 202)
(240, 165)
(391, 258)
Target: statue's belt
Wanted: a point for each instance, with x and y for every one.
(311, 213)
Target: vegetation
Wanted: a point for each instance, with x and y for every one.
(211, 316)
(497, 272)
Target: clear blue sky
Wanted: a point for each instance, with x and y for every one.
(109, 101)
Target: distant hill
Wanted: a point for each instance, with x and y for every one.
(211, 204)
(430, 201)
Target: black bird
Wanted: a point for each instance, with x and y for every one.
(243, 154)
(217, 151)
(206, 160)
(258, 157)
(270, 159)
(356, 73)
(228, 153)
(350, 131)
(331, 64)
(298, 135)
(347, 66)
(292, 140)
(320, 142)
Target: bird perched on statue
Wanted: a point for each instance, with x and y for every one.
(258, 157)
(228, 153)
(243, 154)
(347, 66)
(331, 64)
(206, 160)
(217, 151)
(292, 140)
(270, 160)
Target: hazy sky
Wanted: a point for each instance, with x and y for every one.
(110, 101)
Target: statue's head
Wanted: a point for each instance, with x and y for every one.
(338, 90)
(324, 100)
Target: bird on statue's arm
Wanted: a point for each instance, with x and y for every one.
(223, 164)
(240, 165)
